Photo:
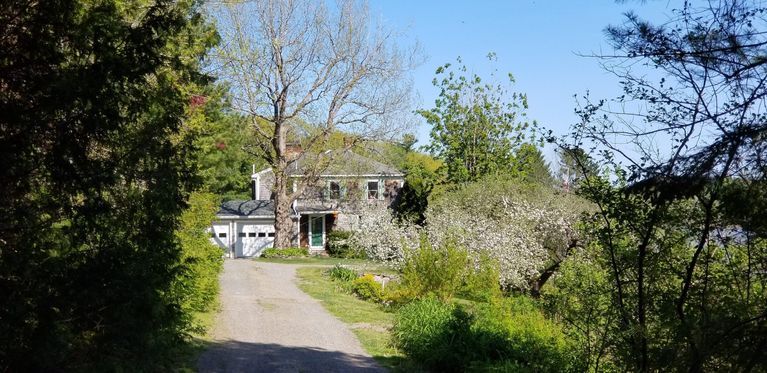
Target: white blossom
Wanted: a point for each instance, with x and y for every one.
(382, 237)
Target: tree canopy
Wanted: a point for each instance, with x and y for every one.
(96, 171)
(476, 125)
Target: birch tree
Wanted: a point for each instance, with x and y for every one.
(301, 71)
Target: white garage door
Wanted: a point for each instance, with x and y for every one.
(252, 239)
(220, 235)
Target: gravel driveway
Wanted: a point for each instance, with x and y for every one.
(267, 324)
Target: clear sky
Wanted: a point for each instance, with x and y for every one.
(537, 41)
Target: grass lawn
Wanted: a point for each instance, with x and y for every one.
(369, 321)
(363, 265)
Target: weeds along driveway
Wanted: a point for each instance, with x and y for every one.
(266, 324)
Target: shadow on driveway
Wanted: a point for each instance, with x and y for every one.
(236, 356)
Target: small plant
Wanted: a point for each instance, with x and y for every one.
(367, 288)
(291, 252)
(341, 273)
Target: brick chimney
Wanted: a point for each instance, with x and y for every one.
(293, 150)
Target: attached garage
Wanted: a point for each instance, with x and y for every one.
(244, 228)
(253, 237)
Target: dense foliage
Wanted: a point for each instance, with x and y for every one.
(477, 126)
(290, 252)
(367, 288)
(340, 247)
(675, 263)
(527, 228)
(506, 335)
(195, 286)
(97, 166)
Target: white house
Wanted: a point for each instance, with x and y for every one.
(246, 228)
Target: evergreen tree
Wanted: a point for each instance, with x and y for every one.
(96, 169)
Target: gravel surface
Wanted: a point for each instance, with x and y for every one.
(267, 324)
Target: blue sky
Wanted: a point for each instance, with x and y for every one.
(536, 41)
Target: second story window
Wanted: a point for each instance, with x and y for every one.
(334, 190)
(373, 189)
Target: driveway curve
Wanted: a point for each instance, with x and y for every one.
(266, 324)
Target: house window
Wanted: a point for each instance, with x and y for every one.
(251, 234)
(271, 234)
(261, 234)
(373, 189)
(334, 189)
(241, 234)
(222, 235)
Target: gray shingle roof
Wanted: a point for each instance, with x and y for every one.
(263, 208)
(345, 162)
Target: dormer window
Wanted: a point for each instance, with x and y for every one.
(373, 192)
(334, 188)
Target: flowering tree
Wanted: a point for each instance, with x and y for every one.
(529, 230)
(381, 237)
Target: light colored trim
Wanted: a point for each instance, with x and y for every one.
(263, 171)
(379, 194)
(322, 246)
(258, 187)
(357, 176)
(231, 242)
(328, 184)
(314, 212)
(244, 216)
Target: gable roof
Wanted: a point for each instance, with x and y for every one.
(345, 163)
(263, 208)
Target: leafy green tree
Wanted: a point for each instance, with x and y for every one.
(477, 126)
(301, 72)
(96, 169)
(671, 230)
(422, 175)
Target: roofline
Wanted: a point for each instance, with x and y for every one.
(244, 216)
(335, 175)
(363, 175)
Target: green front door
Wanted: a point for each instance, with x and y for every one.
(317, 229)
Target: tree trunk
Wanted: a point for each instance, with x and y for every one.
(283, 225)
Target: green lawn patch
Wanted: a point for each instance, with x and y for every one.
(369, 321)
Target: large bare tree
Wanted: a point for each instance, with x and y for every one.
(301, 71)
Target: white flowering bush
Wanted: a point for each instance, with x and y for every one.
(381, 237)
(520, 226)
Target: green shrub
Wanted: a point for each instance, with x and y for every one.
(367, 288)
(504, 335)
(437, 271)
(339, 247)
(482, 281)
(341, 273)
(432, 333)
(291, 252)
(523, 337)
(195, 285)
